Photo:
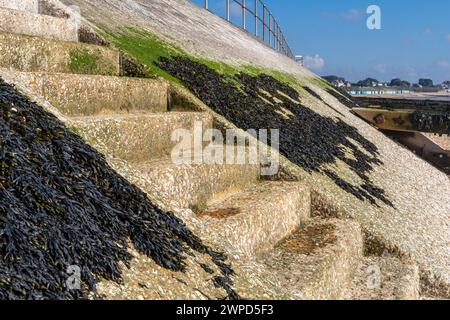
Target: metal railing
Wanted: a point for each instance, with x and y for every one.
(266, 27)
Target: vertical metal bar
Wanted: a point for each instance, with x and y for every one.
(264, 23)
(256, 18)
(277, 37)
(206, 4)
(270, 29)
(228, 10)
(244, 24)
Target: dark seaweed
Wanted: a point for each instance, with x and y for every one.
(61, 204)
(404, 103)
(431, 122)
(307, 139)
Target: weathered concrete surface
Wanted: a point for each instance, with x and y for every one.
(416, 226)
(32, 24)
(27, 53)
(385, 278)
(323, 268)
(194, 185)
(253, 221)
(31, 6)
(184, 24)
(145, 279)
(86, 95)
(138, 137)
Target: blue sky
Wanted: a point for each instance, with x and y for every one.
(414, 41)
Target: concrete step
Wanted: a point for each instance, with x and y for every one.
(31, 6)
(379, 278)
(318, 260)
(85, 95)
(33, 24)
(138, 138)
(251, 222)
(27, 53)
(194, 185)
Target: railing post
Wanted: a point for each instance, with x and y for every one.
(244, 22)
(277, 37)
(270, 29)
(256, 18)
(206, 4)
(264, 24)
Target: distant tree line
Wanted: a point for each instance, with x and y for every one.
(397, 82)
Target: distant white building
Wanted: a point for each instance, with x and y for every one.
(377, 91)
(341, 84)
(300, 60)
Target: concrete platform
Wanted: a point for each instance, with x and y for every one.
(194, 185)
(87, 95)
(251, 222)
(31, 6)
(28, 53)
(138, 138)
(379, 278)
(317, 262)
(33, 24)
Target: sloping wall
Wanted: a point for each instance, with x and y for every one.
(197, 31)
(415, 222)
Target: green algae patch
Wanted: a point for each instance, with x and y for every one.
(147, 49)
(83, 62)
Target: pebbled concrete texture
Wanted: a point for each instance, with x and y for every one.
(144, 279)
(417, 226)
(254, 220)
(27, 53)
(23, 22)
(184, 24)
(137, 138)
(79, 95)
(193, 186)
(31, 6)
(320, 270)
(384, 278)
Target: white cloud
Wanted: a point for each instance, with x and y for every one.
(443, 63)
(353, 15)
(349, 15)
(315, 63)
